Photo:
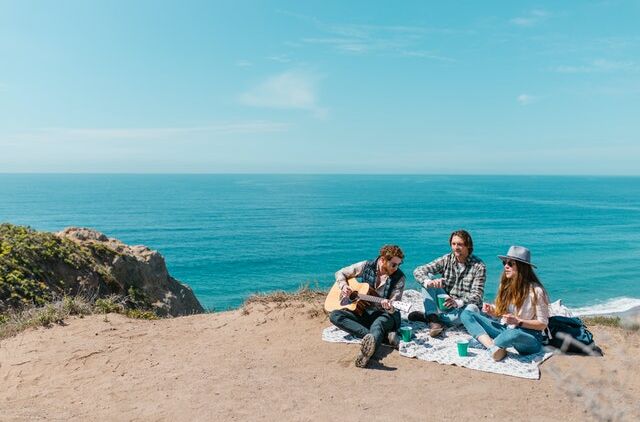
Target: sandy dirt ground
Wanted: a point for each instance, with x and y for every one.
(268, 362)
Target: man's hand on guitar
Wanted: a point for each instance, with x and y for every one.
(386, 304)
(346, 291)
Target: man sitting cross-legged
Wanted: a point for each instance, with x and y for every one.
(462, 278)
(378, 320)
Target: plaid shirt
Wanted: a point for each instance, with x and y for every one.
(467, 284)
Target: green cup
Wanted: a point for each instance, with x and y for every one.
(463, 347)
(441, 299)
(406, 333)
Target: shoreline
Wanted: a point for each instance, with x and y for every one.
(629, 313)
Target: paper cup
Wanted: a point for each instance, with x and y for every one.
(441, 299)
(406, 333)
(463, 347)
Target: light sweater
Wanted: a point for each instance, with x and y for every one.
(528, 311)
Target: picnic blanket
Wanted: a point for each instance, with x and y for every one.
(444, 350)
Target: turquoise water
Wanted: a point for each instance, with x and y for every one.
(230, 235)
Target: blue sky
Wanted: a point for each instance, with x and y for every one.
(463, 87)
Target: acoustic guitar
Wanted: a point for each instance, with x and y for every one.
(361, 296)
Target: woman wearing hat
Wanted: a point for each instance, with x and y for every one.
(520, 314)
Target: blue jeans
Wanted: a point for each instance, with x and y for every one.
(450, 317)
(524, 340)
(372, 321)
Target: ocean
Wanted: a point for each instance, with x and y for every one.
(228, 236)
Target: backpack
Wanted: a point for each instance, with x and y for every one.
(561, 326)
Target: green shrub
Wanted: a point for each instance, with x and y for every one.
(137, 299)
(48, 315)
(29, 261)
(109, 304)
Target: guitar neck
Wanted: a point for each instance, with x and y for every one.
(377, 299)
(369, 298)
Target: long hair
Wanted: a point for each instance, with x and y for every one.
(515, 291)
(466, 238)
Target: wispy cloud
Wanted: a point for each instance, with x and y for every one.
(526, 99)
(280, 58)
(244, 63)
(369, 39)
(141, 134)
(532, 18)
(600, 66)
(361, 39)
(427, 55)
(294, 89)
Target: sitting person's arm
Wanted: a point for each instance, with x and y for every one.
(425, 274)
(532, 324)
(344, 274)
(489, 309)
(541, 319)
(396, 294)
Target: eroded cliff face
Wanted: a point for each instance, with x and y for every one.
(36, 267)
(138, 268)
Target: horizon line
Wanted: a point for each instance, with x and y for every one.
(322, 174)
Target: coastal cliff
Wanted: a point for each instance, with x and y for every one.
(36, 267)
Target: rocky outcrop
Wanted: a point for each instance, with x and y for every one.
(138, 269)
(36, 266)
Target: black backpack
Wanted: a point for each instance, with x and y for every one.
(561, 327)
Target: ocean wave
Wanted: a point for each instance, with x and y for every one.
(611, 306)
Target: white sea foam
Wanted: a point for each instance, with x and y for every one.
(616, 305)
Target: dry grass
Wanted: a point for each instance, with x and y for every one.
(606, 321)
(604, 387)
(631, 323)
(16, 321)
(627, 323)
(304, 294)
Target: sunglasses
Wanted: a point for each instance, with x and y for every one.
(509, 263)
(395, 264)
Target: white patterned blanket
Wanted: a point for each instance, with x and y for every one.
(444, 348)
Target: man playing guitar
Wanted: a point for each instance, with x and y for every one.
(375, 321)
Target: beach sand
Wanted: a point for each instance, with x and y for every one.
(268, 362)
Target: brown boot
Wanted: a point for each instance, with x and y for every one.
(417, 316)
(367, 349)
(497, 353)
(435, 326)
